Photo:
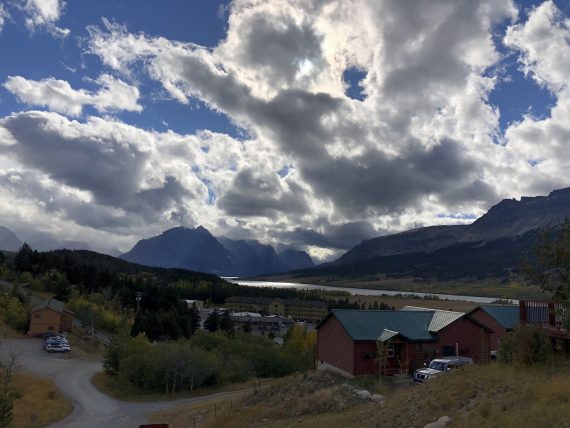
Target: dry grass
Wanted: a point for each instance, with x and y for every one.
(41, 404)
(286, 402)
(108, 385)
(492, 396)
(478, 396)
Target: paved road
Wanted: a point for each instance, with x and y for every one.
(91, 408)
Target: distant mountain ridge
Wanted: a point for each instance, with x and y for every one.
(8, 240)
(197, 249)
(493, 245)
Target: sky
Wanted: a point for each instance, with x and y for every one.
(306, 124)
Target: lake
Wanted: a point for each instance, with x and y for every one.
(362, 291)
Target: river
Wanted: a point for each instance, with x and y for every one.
(362, 291)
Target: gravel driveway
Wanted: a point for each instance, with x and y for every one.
(91, 408)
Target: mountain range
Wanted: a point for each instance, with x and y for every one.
(10, 242)
(197, 249)
(493, 245)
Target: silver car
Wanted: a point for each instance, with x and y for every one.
(439, 366)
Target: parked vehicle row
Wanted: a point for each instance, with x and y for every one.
(56, 343)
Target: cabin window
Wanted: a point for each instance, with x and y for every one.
(390, 351)
(449, 351)
(50, 327)
(37, 316)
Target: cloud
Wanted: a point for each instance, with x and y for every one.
(337, 151)
(114, 174)
(539, 147)
(425, 139)
(58, 95)
(336, 236)
(543, 42)
(261, 193)
(4, 15)
(45, 13)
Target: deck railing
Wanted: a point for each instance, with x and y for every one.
(547, 314)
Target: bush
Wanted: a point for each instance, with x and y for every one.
(14, 312)
(526, 345)
(205, 360)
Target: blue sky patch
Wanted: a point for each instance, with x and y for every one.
(353, 76)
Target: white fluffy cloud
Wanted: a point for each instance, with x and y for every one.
(45, 13)
(58, 95)
(540, 147)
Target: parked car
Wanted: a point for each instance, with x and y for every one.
(56, 340)
(439, 366)
(57, 348)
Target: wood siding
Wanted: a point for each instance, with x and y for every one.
(334, 346)
(491, 323)
(43, 320)
(472, 340)
(366, 358)
(67, 321)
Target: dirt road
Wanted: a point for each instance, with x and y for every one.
(91, 408)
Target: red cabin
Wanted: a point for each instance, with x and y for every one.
(349, 341)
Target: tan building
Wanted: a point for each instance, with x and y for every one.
(297, 309)
(51, 317)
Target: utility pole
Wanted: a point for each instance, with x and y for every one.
(138, 298)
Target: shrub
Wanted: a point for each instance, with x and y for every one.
(14, 312)
(526, 345)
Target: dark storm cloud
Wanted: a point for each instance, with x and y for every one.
(257, 194)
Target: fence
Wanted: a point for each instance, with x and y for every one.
(546, 314)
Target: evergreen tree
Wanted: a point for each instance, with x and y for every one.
(25, 258)
(226, 323)
(212, 323)
(194, 318)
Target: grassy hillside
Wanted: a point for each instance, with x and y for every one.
(477, 396)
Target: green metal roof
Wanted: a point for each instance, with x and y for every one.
(507, 316)
(440, 318)
(55, 304)
(371, 325)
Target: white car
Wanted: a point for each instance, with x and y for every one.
(57, 348)
(439, 366)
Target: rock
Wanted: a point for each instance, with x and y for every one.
(364, 394)
(377, 398)
(440, 423)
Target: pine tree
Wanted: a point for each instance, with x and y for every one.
(226, 323)
(212, 323)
